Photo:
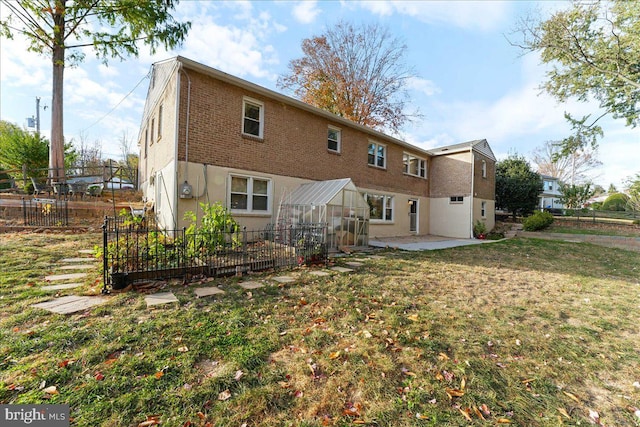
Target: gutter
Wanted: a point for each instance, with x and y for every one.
(175, 155)
(472, 195)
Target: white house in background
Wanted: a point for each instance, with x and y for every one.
(550, 196)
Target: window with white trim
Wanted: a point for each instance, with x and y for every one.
(160, 122)
(377, 155)
(153, 124)
(483, 209)
(334, 135)
(249, 194)
(456, 199)
(146, 142)
(380, 207)
(484, 168)
(415, 166)
(252, 117)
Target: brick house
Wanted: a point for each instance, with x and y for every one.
(209, 136)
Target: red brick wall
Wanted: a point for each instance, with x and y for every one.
(294, 144)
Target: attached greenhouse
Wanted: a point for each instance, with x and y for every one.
(335, 202)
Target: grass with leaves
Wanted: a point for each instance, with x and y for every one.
(524, 332)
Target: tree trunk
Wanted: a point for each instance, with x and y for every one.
(56, 147)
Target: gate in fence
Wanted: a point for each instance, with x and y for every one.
(134, 252)
(45, 212)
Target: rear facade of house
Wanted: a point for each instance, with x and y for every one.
(207, 136)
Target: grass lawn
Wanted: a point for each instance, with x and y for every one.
(559, 228)
(524, 332)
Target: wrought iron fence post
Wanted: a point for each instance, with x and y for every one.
(105, 253)
(244, 248)
(24, 211)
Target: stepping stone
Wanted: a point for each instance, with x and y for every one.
(72, 260)
(375, 257)
(205, 292)
(354, 264)
(68, 276)
(70, 304)
(360, 259)
(342, 269)
(77, 267)
(320, 273)
(61, 286)
(86, 251)
(284, 279)
(160, 298)
(251, 285)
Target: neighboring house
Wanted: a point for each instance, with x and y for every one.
(208, 136)
(550, 195)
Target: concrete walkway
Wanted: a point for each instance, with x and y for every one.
(422, 243)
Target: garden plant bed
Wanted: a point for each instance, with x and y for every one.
(525, 331)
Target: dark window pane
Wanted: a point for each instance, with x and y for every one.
(251, 127)
(239, 201)
(260, 203)
(252, 111)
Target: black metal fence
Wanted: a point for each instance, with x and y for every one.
(133, 252)
(45, 212)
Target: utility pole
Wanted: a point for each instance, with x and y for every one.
(38, 115)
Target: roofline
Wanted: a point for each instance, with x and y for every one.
(228, 78)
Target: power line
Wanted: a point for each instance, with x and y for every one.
(117, 105)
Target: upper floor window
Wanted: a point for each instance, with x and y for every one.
(377, 155)
(153, 125)
(456, 199)
(146, 141)
(380, 206)
(160, 122)
(333, 139)
(414, 165)
(484, 168)
(249, 194)
(253, 117)
(550, 185)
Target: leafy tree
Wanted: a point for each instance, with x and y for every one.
(19, 147)
(357, 73)
(517, 186)
(634, 192)
(598, 190)
(616, 202)
(575, 196)
(612, 189)
(571, 168)
(593, 48)
(59, 28)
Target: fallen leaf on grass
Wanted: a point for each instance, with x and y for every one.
(478, 413)
(503, 421)
(239, 374)
(152, 420)
(183, 349)
(51, 390)
(224, 395)
(442, 356)
(413, 317)
(453, 392)
(564, 413)
(159, 374)
(64, 363)
(334, 355)
(421, 416)
(571, 396)
(465, 414)
(98, 376)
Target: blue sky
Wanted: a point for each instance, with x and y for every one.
(471, 83)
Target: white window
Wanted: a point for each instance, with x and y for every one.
(249, 194)
(146, 141)
(160, 122)
(415, 166)
(252, 117)
(484, 168)
(333, 139)
(483, 209)
(153, 124)
(456, 199)
(550, 185)
(377, 155)
(380, 207)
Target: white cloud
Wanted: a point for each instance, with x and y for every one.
(481, 15)
(305, 11)
(424, 86)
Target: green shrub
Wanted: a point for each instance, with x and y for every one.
(616, 202)
(479, 228)
(538, 221)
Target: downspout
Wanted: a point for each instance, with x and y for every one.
(472, 198)
(175, 155)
